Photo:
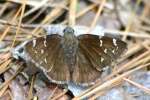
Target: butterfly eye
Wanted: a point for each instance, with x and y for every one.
(21, 50)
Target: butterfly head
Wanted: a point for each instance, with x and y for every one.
(20, 52)
(68, 31)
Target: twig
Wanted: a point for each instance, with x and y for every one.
(109, 83)
(72, 12)
(147, 90)
(97, 15)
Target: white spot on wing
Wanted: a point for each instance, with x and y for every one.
(105, 50)
(34, 42)
(35, 51)
(45, 43)
(50, 69)
(105, 68)
(45, 60)
(42, 51)
(101, 43)
(102, 59)
(41, 62)
(113, 51)
(117, 48)
(114, 42)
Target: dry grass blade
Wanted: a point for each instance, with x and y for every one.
(29, 2)
(104, 91)
(19, 24)
(8, 28)
(97, 95)
(37, 15)
(132, 63)
(97, 15)
(2, 91)
(82, 12)
(30, 94)
(134, 49)
(5, 56)
(132, 34)
(11, 78)
(52, 94)
(130, 20)
(4, 8)
(37, 4)
(72, 12)
(110, 82)
(58, 96)
(146, 90)
(49, 18)
(5, 66)
(42, 3)
(145, 19)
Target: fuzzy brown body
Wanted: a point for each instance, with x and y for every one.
(70, 47)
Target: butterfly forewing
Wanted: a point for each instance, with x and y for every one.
(115, 47)
(47, 55)
(100, 51)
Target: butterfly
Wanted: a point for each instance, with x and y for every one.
(69, 58)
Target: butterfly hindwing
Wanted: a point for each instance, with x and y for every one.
(59, 71)
(84, 72)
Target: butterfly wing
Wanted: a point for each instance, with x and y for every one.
(59, 71)
(84, 72)
(46, 54)
(95, 53)
(102, 50)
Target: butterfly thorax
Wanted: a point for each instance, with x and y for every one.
(70, 45)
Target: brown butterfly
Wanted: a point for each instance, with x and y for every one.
(66, 58)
